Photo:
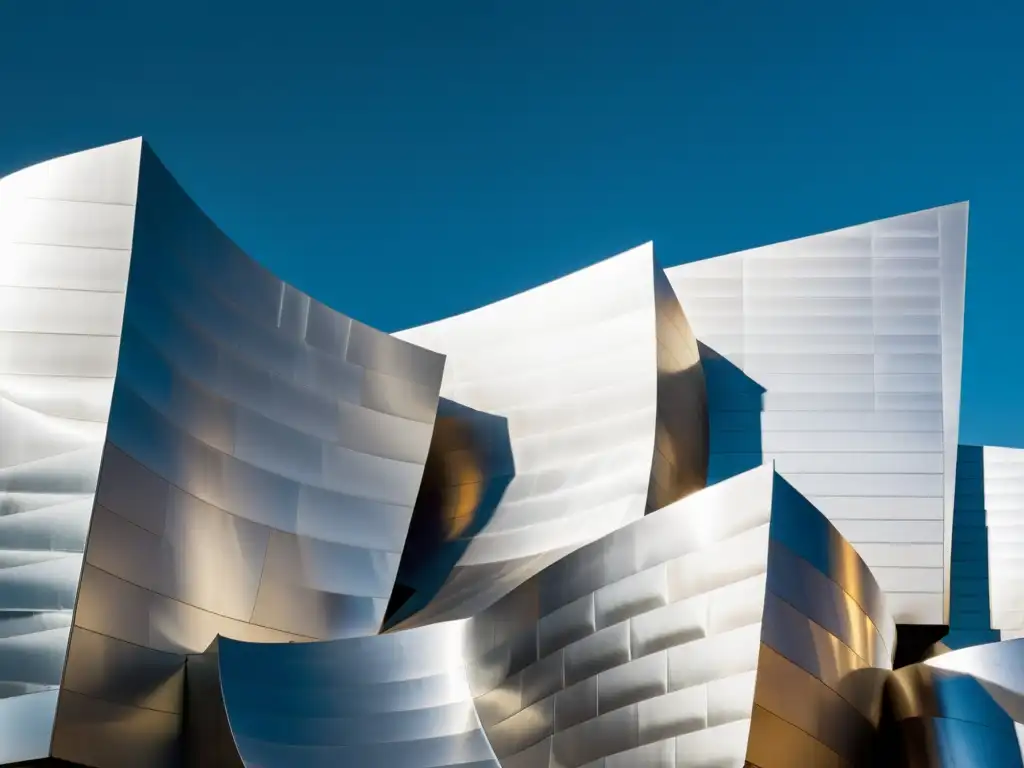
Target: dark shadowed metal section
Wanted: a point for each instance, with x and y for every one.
(962, 709)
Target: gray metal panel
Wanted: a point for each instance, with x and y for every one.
(583, 406)
(662, 636)
(639, 639)
(988, 536)
(65, 233)
(260, 467)
(398, 699)
(862, 329)
(963, 708)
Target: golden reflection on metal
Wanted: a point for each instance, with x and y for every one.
(774, 743)
(681, 447)
(455, 469)
(794, 695)
(958, 708)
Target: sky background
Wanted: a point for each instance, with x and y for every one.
(404, 161)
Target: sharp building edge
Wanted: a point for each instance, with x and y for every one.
(635, 516)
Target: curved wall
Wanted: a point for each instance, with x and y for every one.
(65, 242)
(261, 462)
(827, 645)
(856, 336)
(964, 708)
(399, 699)
(593, 393)
(714, 631)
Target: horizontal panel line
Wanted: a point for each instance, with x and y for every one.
(169, 713)
(238, 516)
(888, 520)
(173, 600)
(909, 567)
(802, 473)
(72, 200)
(54, 288)
(70, 245)
(63, 333)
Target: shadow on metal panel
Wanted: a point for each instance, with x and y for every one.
(735, 403)
(469, 467)
(970, 614)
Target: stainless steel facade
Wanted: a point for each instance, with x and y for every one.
(65, 243)
(716, 630)
(987, 602)
(258, 456)
(852, 344)
(962, 709)
(240, 528)
(400, 699)
(586, 395)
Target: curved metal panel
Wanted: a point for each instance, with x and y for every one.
(962, 708)
(738, 609)
(632, 646)
(400, 699)
(65, 233)
(253, 456)
(855, 339)
(579, 406)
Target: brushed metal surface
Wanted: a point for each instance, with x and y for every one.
(841, 357)
(399, 699)
(738, 610)
(581, 406)
(189, 447)
(962, 708)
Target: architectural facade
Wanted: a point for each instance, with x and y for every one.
(853, 340)
(635, 516)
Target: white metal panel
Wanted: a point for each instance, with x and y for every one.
(855, 336)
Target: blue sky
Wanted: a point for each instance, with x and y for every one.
(403, 161)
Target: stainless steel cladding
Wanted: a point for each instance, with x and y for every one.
(65, 244)
(240, 528)
(582, 403)
(259, 465)
(400, 700)
(733, 625)
(854, 338)
(963, 708)
(988, 539)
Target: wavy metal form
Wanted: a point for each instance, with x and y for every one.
(964, 708)
(734, 625)
(259, 467)
(857, 338)
(65, 242)
(400, 699)
(586, 409)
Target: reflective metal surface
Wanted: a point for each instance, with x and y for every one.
(217, 493)
(400, 699)
(963, 708)
(586, 403)
(988, 537)
(259, 468)
(65, 239)
(734, 624)
(855, 340)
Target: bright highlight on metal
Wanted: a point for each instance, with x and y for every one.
(633, 517)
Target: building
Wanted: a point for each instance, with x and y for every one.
(635, 516)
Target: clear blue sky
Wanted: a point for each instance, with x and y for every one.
(406, 160)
